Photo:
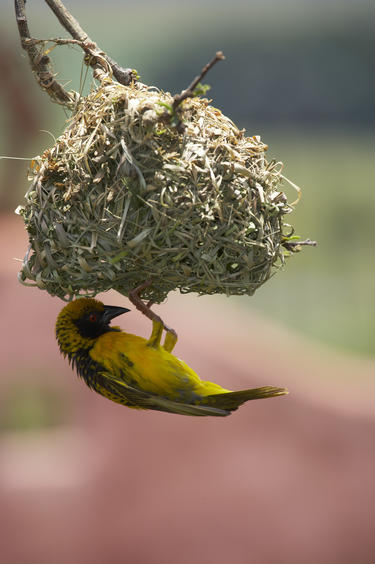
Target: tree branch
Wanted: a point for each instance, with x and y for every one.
(39, 62)
(100, 62)
(122, 75)
(189, 92)
(67, 20)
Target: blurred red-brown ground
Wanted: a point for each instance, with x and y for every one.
(286, 480)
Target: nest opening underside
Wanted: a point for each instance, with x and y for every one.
(123, 197)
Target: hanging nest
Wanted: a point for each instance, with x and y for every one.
(123, 197)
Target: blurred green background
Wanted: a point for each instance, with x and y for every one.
(298, 73)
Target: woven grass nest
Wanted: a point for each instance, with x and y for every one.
(123, 197)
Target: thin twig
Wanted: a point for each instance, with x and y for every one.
(293, 245)
(189, 92)
(39, 62)
(57, 40)
(122, 75)
(94, 58)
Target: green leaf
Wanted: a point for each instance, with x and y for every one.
(201, 89)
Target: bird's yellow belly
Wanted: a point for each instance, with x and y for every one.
(151, 369)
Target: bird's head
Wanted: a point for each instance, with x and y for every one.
(82, 321)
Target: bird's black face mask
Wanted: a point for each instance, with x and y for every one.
(94, 323)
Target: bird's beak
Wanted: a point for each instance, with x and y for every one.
(113, 311)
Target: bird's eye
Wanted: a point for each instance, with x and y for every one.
(92, 317)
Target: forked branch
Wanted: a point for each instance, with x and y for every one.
(41, 64)
(122, 75)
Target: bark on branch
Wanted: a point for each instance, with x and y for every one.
(122, 75)
(100, 62)
(40, 63)
(190, 90)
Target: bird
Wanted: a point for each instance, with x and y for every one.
(140, 373)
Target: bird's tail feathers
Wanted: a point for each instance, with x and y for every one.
(232, 400)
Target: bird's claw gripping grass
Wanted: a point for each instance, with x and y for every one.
(158, 323)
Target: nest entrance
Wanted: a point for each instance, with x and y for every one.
(123, 197)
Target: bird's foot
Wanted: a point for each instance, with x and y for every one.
(134, 297)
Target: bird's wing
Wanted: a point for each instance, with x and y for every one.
(135, 397)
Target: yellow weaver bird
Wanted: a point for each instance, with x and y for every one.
(140, 373)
